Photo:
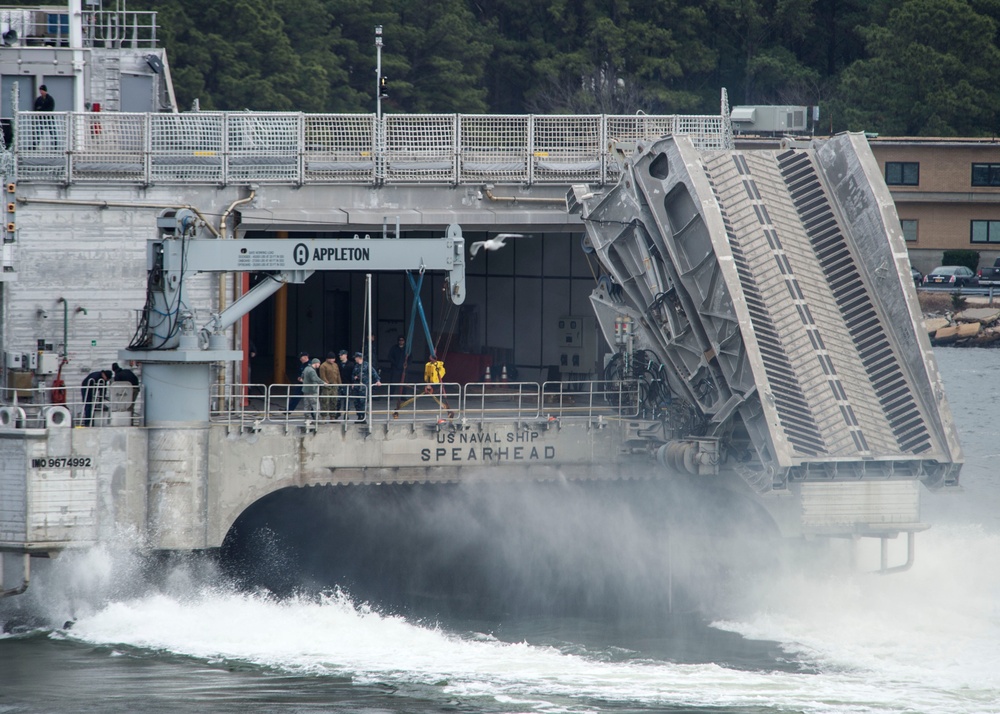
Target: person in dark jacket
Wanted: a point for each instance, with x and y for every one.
(94, 387)
(45, 128)
(397, 361)
(346, 377)
(123, 374)
(44, 101)
(359, 379)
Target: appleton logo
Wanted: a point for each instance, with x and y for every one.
(301, 254)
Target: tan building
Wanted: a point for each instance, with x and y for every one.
(947, 194)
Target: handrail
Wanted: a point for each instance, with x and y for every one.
(104, 404)
(116, 404)
(222, 148)
(479, 402)
(50, 27)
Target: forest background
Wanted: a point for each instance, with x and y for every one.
(895, 67)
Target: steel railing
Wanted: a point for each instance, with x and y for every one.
(102, 29)
(221, 148)
(121, 404)
(249, 404)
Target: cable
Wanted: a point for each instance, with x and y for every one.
(445, 320)
(364, 323)
(145, 330)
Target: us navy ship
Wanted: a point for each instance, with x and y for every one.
(664, 306)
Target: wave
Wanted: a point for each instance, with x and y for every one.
(932, 632)
(924, 640)
(332, 636)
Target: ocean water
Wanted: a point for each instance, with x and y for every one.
(812, 632)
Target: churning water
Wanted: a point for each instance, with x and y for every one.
(808, 635)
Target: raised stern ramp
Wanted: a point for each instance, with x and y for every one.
(774, 285)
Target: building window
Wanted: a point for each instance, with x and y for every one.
(902, 173)
(909, 229)
(986, 231)
(986, 174)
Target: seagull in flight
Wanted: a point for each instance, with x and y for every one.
(494, 243)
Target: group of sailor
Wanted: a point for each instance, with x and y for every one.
(333, 379)
(327, 385)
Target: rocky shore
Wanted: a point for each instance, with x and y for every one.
(961, 322)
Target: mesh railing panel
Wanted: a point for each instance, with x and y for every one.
(109, 147)
(40, 143)
(420, 148)
(567, 148)
(493, 148)
(245, 147)
(638, 127)
(339, 148)
(627, 132)
(708, 133)
(263, 147)
(187, 148)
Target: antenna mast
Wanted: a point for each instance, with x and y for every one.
(379, 79)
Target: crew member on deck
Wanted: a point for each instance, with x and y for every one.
(94, 386)
(434, 370)
(296, 391)
(44, 128)
(434, 374)
(360, 380)
(123, 374)
(311, 382)
(44, 101)
(329, 372)
(397, 362)
(346, 377)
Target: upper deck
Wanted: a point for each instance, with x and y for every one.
(244, 148)
(88, 58)
(51, 26)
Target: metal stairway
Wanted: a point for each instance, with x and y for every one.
(108, 80)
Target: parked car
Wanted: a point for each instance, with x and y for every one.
(990, 275)
(916, 275)
(955, 276)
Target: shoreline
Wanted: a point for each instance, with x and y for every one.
(960, 321)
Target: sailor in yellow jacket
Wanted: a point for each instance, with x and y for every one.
(434, 370)
(433, 374)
